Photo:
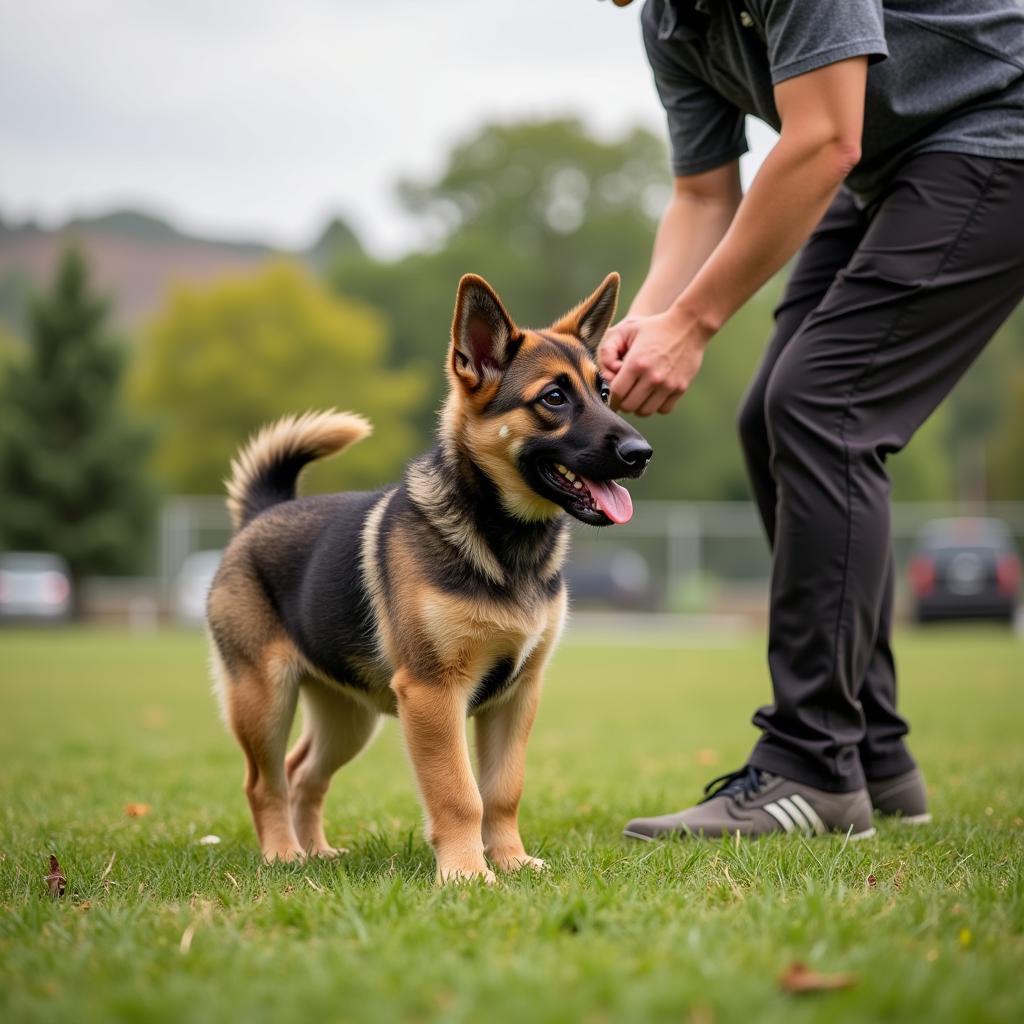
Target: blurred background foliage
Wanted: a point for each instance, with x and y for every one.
(223, 337)
(222, 360)
(72, 458)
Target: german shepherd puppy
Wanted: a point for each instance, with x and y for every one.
(433, 599)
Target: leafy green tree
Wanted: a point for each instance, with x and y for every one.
(1006, 454)
(71, 458)
(542, 209)
(224, 359)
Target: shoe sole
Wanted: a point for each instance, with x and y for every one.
(866, 834)
(639, 835)
(908, 819)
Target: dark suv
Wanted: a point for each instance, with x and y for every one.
(965, 569)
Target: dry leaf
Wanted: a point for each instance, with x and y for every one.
(798, 979)
(186, 938)
(154, 717)
(110, 864)
(872, 881)
(209, 840)
(137, 810)
(56, 882)
(313, 885)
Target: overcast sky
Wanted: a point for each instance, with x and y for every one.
(258, 119)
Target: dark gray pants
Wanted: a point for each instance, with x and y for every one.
(885, 310)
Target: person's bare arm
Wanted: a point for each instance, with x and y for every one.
(694, 222)
(822, 115)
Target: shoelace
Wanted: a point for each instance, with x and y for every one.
(744, 782)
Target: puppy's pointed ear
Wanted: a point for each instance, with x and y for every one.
(592, 317)
(484, 337)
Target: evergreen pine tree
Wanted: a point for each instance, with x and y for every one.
(71, 460)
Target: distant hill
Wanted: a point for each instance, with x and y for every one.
(137, 257)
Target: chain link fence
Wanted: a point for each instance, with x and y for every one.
(673, 557)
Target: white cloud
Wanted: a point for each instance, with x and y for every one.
(261, 118)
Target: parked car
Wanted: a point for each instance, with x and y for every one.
(193, 585)
(35, 586)
(965, 569)
(618, 579)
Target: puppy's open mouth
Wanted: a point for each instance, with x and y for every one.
(591, 497)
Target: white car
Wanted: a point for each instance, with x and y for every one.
(193, 586)
(34, 585)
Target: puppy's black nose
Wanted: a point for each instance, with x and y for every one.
(635, 452)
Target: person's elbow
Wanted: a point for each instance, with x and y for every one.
(833, 151)
(842, 154)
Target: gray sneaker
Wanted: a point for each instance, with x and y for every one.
(756, 803)
(901, 796)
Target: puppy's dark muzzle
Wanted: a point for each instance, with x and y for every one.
(634, 453)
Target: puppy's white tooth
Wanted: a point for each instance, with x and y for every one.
(578, 486)
(569, 475)
(561, 468)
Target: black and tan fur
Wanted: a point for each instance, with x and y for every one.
(433, 599)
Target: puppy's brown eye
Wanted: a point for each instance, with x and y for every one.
(554, 398)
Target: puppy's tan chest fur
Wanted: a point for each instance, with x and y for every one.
(469, 643)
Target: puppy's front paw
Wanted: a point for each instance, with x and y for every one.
(465, 872)
(517, 860)
(328, 852)
(283, 854)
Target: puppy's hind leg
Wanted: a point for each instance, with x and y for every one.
(336, 727)
(260, 705)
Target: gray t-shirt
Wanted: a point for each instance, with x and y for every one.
(944, 74)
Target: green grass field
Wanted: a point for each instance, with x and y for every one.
(157, 927)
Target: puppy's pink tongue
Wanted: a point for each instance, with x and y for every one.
(611, 498)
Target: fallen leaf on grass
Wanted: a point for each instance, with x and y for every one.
(56, 881)
(154, 717)
(137, 810)
(186, 938)
(798, 979)
(110, 864)
(209, 840)
(872, 881)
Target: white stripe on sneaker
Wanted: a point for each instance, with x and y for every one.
(780, 816)
(794, 812)
(810, 813)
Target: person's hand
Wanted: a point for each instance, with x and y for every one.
(614, 346)
(652, 360)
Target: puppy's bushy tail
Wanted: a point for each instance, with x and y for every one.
(265, 471)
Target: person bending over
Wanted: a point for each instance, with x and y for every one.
(899, 177)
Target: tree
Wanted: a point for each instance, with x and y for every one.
(71, 458)
(543, 209)
(222, 360)
(1006, 461)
